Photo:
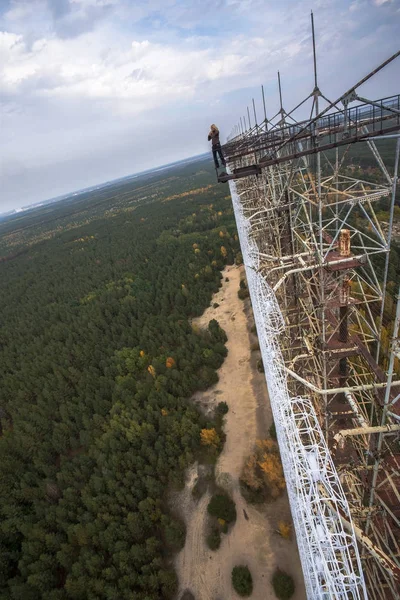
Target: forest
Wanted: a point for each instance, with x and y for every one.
(98, 361)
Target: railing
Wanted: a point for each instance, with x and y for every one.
(341, 125)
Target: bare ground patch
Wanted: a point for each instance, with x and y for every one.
(252, 540)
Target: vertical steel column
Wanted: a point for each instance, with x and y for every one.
(265, 111)
(389, 240)
(384, 411)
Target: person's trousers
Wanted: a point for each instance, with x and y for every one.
(217, 149)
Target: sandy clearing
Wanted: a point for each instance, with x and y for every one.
(251, 541)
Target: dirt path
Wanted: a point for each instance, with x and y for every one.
(251, 541)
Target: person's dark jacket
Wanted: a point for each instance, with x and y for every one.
(214, 136)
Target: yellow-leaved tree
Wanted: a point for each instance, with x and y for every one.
(285, 529)
(209, 437)
(270, 464)
(262, 473)
(249, 474)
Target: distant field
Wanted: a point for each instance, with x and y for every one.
(26, 229)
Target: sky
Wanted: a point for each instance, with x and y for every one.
(92, 90)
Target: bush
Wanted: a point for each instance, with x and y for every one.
(283, 585)
(222, 507)
(214, 539)
(238, 258)
(174, 533)
(222, 408)
(285, 529)
(272, 431)
(242, 580)
(260, 366)
(243, 293)
(217, 332)
(226, 278)
(210, 437)
(206, 378)
(262, 474)
(243, 284)
(215, 305)
(169, 583)
(255, 346)
(221, 349)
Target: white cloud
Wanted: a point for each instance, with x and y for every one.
(80, 75)
(146, 73)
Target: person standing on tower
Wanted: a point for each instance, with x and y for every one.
(216, 145)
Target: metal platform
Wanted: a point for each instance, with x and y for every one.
(239, 172)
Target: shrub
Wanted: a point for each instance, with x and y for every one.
(272, 431)
(215, 305)
(260, 366)
(283, 585)
(242, 580)
(175, 533)
(222, 408)
(262, 473)
(255, 346)
(226, 278)
(214, 539)
(270, 464)
(243, 293)
(243, 284)
(221, 349)
(217, 332)
(222, 507)
(169, 583)
(238, 258)
(209, 437)
(253, 329)
(206, 378)
(285, 529)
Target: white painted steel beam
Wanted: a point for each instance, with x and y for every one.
(328, 550)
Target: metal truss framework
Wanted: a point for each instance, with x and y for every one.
(317, 263)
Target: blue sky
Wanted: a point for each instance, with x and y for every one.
(91, 90)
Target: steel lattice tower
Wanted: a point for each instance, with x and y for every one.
(317, 260)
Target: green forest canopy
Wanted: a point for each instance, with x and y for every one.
(98, 361)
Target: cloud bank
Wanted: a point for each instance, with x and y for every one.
(95, 89)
